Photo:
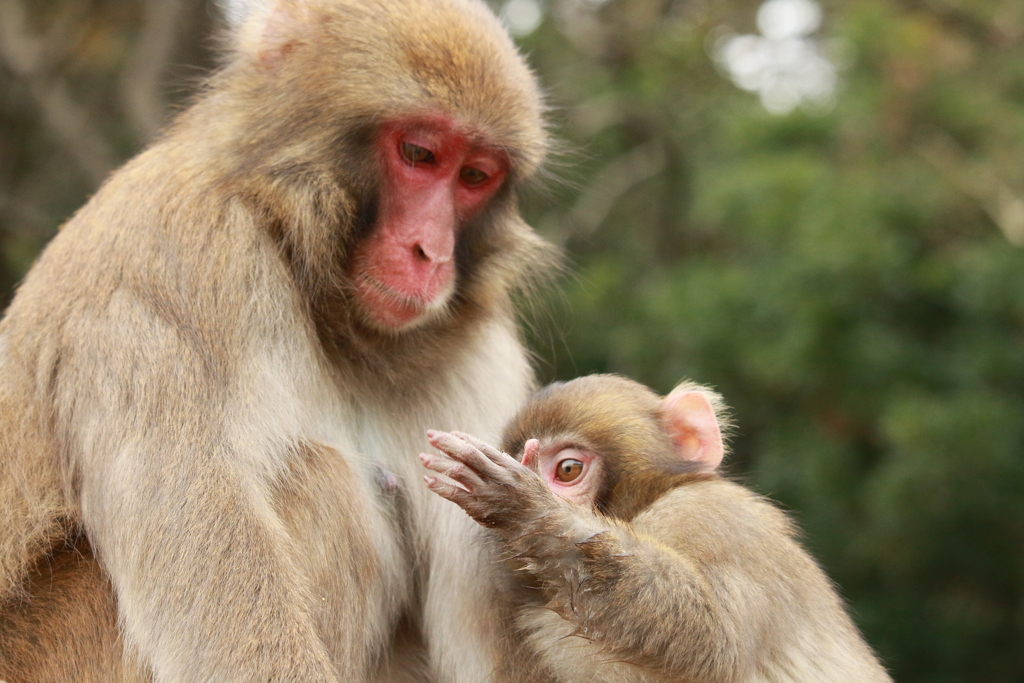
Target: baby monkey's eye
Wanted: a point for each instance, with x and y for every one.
(415, 154)
(568, 470)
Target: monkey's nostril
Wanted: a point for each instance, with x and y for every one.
(418, 252)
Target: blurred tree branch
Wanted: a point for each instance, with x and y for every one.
(140, 85)
(83, 85)
(617, 177)
(978, 181)
(38, 61)
(35, 60)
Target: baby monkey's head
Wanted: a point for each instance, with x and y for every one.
(611, 443)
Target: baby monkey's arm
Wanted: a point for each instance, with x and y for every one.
(643, 601)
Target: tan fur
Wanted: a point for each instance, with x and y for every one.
(66, 595)
(183, 381)
(706, 583)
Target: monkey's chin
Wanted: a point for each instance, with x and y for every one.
(389, 311)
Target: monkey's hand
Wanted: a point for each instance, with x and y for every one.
(492, 487)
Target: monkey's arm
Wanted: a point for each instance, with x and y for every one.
(32, 504)
(643, 601)
(175, 493)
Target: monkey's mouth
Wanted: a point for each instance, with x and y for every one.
(392, 310)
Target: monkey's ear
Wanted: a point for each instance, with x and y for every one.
(238, 11)
(692, 425)
(267, 29)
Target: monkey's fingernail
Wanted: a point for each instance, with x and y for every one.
(430, 480)
(424, 458)
(431, 433)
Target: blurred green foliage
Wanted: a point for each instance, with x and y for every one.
(843, 276)
(848, 275)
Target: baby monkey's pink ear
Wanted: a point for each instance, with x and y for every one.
(693, 427)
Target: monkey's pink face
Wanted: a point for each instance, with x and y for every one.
(434, 180)
(572, 473)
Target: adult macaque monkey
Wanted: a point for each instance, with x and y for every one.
(651, 566)
(206, 366)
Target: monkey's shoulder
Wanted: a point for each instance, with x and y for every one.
(727, 519)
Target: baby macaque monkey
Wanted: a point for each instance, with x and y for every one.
(650, 565)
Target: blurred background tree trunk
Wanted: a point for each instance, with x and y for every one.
(83, 85)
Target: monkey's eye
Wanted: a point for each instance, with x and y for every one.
(472, 176)
(415, 154)
(568, 470)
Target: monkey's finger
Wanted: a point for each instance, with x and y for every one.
(531, 454)
(452, 469)
(510, 470)
(463, 451)
(493, 454)
(457, 495)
